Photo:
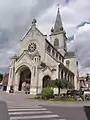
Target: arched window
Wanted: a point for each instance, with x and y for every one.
(46, 81)
(56, 42)
(57, 55)
(53, 52)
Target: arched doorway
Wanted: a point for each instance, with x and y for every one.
(25, 77)
(46, 81)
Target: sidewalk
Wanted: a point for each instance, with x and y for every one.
(59, 103)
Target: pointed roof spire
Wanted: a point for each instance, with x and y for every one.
(58, 23)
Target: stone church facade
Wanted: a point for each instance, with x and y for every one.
(40, 59)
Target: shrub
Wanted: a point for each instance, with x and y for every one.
(47, 93)
(65, 98)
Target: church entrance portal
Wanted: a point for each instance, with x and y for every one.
(25, 78)
(46, 81)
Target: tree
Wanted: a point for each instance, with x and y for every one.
(70, 85)
(59, 84)
(1, 77)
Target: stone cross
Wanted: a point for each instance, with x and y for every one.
(34, 22)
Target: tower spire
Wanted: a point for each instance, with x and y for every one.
(58, 23)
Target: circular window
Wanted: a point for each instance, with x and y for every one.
(32, 47)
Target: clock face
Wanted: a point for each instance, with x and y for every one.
(32, 47)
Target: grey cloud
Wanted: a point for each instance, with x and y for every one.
(82, 24)
(71, 38)
(82, 44)
(15, 18)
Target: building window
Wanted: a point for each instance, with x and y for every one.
(34, 71)
(35, 59)
(48, 48)
(57, 55)
(67, 63)
(76, 63)
(53, 52)
(62, 60)
(62, 74)
(56, 42)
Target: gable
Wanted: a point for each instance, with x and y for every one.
(33, 35)
(47, 68)
(24, 57)
(32, 32)
(47, 71)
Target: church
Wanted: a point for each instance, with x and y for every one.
(41, 59)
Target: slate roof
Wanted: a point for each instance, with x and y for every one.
(70, 55)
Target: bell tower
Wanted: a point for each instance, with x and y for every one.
(58, 35)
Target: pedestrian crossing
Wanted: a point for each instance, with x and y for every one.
(22, 113)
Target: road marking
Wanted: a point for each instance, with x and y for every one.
(33, 117)
(27, 109)
(22, 113)
(59, 119)
(27, 113)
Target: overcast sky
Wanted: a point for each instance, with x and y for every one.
(16, 17)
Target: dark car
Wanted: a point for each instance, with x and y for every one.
(74, 93)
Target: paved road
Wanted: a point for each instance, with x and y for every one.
(22, 108)
(22, 113)
(48, 113)
(71, 113)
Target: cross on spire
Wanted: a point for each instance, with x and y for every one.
(58, 7)
(34, 22)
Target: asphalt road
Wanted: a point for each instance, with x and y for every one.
(71, 113)
(42, 110)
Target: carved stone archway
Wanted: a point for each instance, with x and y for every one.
(24, 77)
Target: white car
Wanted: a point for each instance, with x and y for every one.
(87, 92)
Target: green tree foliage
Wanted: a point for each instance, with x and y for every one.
(58, 83)
(1, 77)
(61, 84)
(70, 85)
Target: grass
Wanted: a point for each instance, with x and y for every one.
(58, 98)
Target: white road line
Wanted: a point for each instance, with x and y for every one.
(59, 119)
(27, 113)
(27, 109)
(33, 117)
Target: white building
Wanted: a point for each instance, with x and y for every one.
(40, 60)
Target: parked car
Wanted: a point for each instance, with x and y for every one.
(74, 93)
(86, 94)
(1, 85)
